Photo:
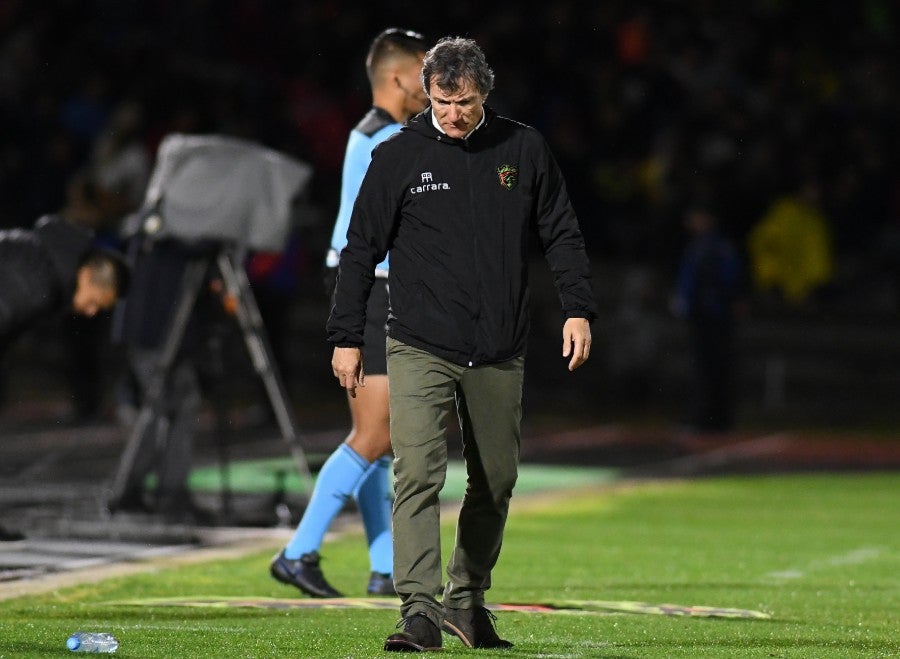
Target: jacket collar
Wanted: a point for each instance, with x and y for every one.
(424, 124)
(434, 122)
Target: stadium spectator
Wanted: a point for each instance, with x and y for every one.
(791, 247)
(458, 324)
(120, 164)
(360, 466)
(710, 290)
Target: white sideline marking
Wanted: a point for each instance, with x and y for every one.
(853, 557)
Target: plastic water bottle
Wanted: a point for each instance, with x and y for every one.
(92, 642)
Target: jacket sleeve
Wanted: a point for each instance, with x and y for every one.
(561, 240)
(372, 225)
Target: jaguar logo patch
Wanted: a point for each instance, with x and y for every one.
(509, 176)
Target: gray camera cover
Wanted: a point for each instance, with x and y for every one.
(210, 187)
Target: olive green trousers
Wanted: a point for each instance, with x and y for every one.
(424, 390)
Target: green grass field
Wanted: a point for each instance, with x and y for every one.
(817, 554)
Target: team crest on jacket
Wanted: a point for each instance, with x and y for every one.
(509, 176)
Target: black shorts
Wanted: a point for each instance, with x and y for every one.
(375, 334)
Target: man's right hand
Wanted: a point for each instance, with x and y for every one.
(347, 366)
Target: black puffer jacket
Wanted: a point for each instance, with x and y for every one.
(457, 217)
(38, 271)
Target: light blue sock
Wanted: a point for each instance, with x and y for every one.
(374, 500)
(335, 484)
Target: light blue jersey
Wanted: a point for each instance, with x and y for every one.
(374, 128)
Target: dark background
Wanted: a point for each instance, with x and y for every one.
(649, 107)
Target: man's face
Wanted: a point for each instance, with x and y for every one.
(90, 298)
(409, 79)
(456, 112)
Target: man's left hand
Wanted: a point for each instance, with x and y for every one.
(576, 341)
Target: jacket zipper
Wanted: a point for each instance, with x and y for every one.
(477, 270)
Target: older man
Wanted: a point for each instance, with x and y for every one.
(455, 197)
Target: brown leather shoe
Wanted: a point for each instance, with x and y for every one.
(474, 627)
(419, 635)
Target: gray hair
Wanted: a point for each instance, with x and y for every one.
(454, 61)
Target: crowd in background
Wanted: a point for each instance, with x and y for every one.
(649, 107)
(779, 118)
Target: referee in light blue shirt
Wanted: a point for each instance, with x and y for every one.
(360, 466)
